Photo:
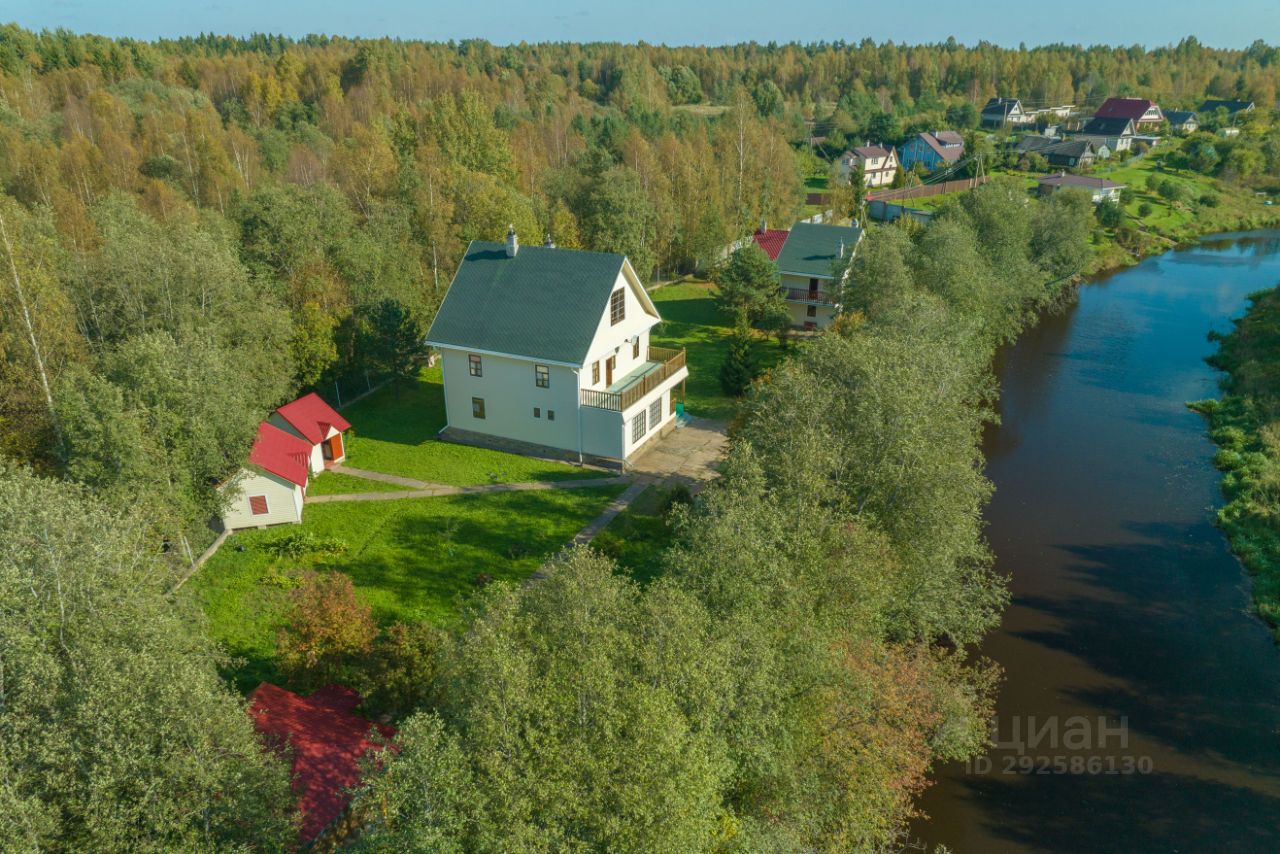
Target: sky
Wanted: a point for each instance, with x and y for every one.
(1227, 23)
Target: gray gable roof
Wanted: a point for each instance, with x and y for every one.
(1108, 127)
(1178, 117)
(542, 304)
(812, 249)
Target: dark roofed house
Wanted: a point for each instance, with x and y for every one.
(1115, 133)
(1233, 108)
(999, 112)
(546, 350)
(807, 268)
(1069, 153)
(1182, 121)
(1098, 188)
(1144, 114)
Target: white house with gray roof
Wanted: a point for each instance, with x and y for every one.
(807, 267)
(549, 348)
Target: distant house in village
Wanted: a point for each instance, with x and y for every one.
(879, 164)
(1060, 112)
(806, 263)
(269, 488)
(1233, 108)
(1182, 121)
(547, 350)
(1065, 153)
(1099, 188)
(325, 738)
(1144, 114)
(315, 421)
(932, 150)
(1002, 112)
(1116, 134)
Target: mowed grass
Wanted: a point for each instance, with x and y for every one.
(638, 537)
(692, 320)
(410, 559)
(394, 432)
(337, 483)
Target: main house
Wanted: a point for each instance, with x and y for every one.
(879, 164)
(807, 262)
(547, 350)
(999, 112)
(932, 150)
(1116, 134)
(1144, 114)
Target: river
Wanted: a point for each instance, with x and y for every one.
(1140, 709)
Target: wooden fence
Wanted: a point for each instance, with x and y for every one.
(926, 190)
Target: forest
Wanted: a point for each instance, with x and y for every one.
(194, 231)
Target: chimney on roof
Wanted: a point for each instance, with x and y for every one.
(547, 242)
(764, 226)
(513, 242)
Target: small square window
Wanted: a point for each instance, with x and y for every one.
(477, 407)
(551, 415)
(537, 412)
(473, 364)
(617, 307)
(812, 311)
(595, 372)
(258, 505)
(542, 376)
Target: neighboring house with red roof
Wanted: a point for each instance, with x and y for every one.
(1144, 114)
(326, 738)
(269, 488)
(311, 419)
(879, 164)
(932, 150)
(770, 240)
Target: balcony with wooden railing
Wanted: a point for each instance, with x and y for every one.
(663, 362)
(808, 295)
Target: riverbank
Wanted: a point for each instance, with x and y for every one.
(1245, 424)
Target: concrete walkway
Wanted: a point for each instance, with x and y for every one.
(435, 490)
(386, 478)
(622, 502)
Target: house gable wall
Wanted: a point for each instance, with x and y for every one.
(284, 500)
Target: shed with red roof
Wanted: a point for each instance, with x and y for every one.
(326, 738)
(269, 489)
(315, 421)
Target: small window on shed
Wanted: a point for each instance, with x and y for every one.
(617, 307)
(258, 505)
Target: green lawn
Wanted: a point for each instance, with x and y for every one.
(394, 432)
(691, 319)
(337, 483)
(638, 536)
(410, 559)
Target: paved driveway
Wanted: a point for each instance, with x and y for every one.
(687, 454)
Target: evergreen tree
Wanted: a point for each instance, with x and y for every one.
(738, 369)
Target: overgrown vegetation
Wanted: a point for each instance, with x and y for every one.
(1245, 424)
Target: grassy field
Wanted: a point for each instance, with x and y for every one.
(337, 483)
(637, 537)
(410, 559)
(691, 319)
(394, 432)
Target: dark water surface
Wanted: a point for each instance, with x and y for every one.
(1141, 705)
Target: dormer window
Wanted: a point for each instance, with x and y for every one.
(617, 307)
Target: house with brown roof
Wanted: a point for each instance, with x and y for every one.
(1099, 188)
(879, 164)
(932, 150)
(1144, 114)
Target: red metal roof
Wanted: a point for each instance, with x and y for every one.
(327, 738)
(1124, 108)
(280, 453)
(771, 240)
(312, 417)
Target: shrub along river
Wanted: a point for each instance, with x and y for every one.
(1141, 704)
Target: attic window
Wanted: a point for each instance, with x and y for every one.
(617, 307)
(258, 505)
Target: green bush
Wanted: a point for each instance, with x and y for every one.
(300, 542)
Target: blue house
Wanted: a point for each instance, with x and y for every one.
(932, 150)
